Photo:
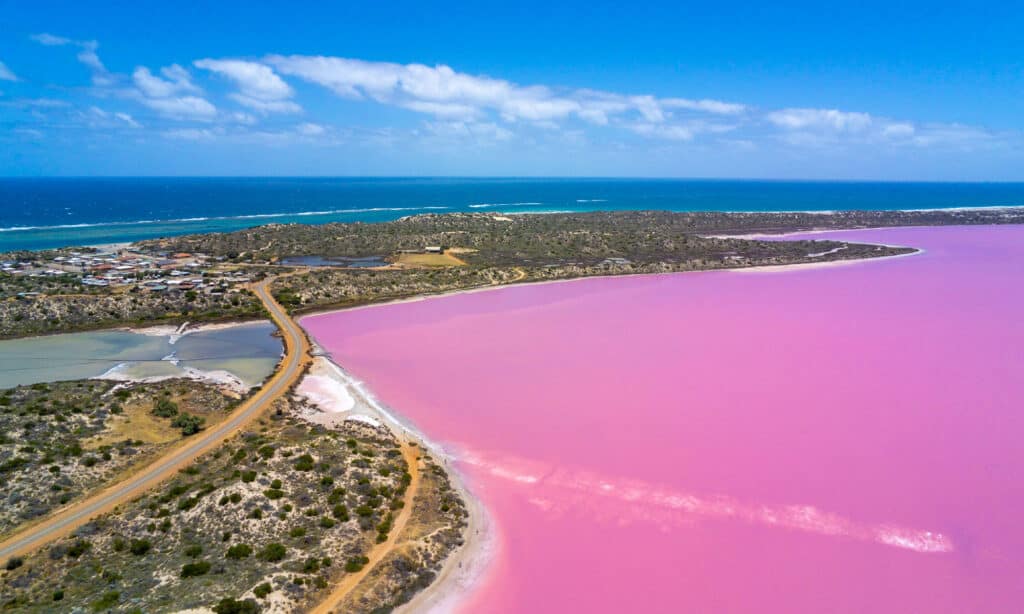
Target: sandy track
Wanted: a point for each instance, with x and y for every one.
(381, 550)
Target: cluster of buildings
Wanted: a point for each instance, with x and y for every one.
(158, 272)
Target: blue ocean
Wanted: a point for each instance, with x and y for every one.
(42, 213)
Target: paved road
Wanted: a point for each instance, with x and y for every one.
(70, 518)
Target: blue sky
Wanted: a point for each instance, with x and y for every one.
(893, 90)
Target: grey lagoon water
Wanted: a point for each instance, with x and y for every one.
(246, 351)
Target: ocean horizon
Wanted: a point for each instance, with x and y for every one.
(42, 213)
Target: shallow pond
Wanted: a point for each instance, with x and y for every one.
(247, 351)
(339, 261)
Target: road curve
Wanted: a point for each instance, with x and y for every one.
(75, 515)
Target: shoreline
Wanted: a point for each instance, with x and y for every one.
(783, 267)
(467, 564)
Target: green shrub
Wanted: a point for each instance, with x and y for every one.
(14, 562)
(297, 532)
(106, 602)
(228, 605)
(311, 565)
(273, 493)
(340, 512)
(248, 476)
(267, 452)
(304, 463)
(188, 423)
(356, 563)
(273, 552)
(239, 551)
(139, 547)
(193, 551)
(191, 570)
(165, 408)
(263, 590)
(79, 548)
(326, 522)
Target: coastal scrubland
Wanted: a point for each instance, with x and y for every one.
(64, 307)
(270, 520)
(61, 440)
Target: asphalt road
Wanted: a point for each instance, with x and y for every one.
(75, 515)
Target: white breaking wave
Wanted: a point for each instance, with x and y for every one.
(487, 205)
(253, 216)
(591, 200)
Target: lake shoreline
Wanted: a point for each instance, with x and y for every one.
(466, 565)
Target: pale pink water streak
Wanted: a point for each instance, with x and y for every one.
(844, 439)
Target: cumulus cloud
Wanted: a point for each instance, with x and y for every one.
(260, 88)
(6, 74)
(448, 94)
(172, 94)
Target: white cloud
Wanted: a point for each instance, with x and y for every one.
(450, 110)
(172, 93)
(176, 80)
(709, 106)
(50, 40)
(86, 55)
(98, 118)
(190, 134)
(898, 130)
(127, 119)
(685, 131)
(309, 129)
(827, 119)
(267, 106)
(6, 74)
(479, 131)
(445, 93)
(260, 88)
(673, 133)
(182, 107)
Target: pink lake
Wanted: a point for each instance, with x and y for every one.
(841, 439)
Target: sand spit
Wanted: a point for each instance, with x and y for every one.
(175, 333)
(222, 378)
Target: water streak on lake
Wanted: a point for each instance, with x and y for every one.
(840, 439)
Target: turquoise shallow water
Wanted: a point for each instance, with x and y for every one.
(41, 213)
(247, 351)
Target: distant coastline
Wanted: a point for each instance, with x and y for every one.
(44, 213)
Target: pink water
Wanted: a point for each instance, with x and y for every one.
(845, 439)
